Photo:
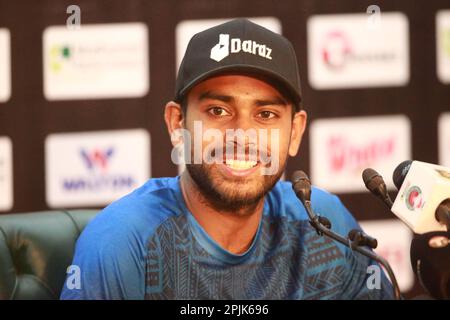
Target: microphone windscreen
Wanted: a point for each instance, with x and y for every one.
(373, 181)
(368, 174)
(301, 185)
(400, 173)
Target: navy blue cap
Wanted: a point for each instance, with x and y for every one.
(239, 46)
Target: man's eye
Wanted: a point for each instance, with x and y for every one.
(218, 111)
(266, 115)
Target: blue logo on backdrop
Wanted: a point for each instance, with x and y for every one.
(98, 175)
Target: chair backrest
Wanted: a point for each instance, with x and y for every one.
(35, 251)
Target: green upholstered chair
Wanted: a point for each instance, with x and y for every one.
(35, 251)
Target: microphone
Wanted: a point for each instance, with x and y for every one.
(423, 203)
(376, 185)
(430, 260)
(423, 200)
(400, 173)
(443, 213)
(302, 188)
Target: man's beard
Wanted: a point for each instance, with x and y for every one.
(231, 196)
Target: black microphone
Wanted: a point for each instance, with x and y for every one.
(301, 185)
(430, 260)
(400, 173)
(302, 188)
(443, 213)
(375, 184)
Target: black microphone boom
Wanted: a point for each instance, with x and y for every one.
(302, 188)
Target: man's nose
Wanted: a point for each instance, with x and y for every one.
(243, 121)
(243, 138)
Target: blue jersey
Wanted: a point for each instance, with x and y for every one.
(148, 245)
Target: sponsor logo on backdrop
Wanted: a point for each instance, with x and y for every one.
(394, 241)
(97, 162)
(344, 154)
(97, 159)
(95, 168)
(336, 50)
(443, 45)
(96, 61)
(5, 65)
(186, 29)
(345, 52)
(342, 148)
(6, 174)
(444, 139)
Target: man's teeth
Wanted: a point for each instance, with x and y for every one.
(240, 164)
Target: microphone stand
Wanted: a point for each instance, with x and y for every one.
(321, 229)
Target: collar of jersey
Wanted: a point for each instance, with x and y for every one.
(209, 244)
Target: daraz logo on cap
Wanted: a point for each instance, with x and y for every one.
(223, 49)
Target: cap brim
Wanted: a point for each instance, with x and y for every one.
(244, 69)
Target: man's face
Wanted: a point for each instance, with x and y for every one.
(242, 102)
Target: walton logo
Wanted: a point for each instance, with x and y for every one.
(223, 49)
(98, 178)
(96, 158)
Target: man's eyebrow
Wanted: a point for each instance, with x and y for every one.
(229, 99)
(271, 101)
(215, 96)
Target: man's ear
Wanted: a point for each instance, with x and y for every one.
(297, 130)
(173, 116)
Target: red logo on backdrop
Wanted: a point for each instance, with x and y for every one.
(393, 254)
(345, 155)
(336, 50)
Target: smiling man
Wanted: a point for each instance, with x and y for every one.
(227, 229)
